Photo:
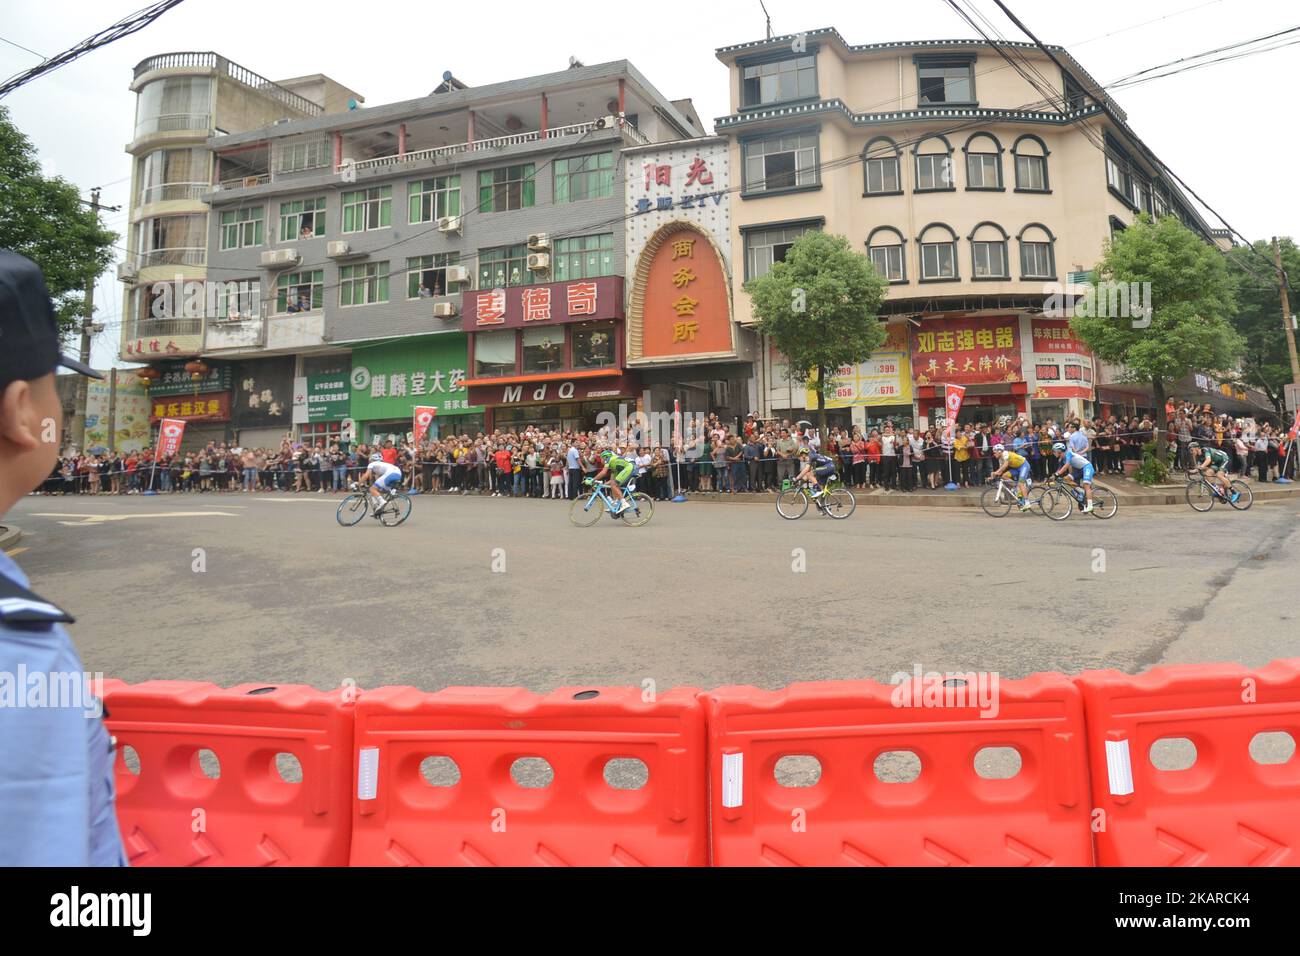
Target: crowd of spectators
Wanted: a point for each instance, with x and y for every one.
(712, 456)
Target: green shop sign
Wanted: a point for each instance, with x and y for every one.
(322, 398)
(174, 380)
(389, 380)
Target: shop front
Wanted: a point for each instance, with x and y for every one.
(873, 393)
(546, 354)
(1063, 372)
(205, 404)
(981, 353)
(321, 408)
(263, 409)
(389, 380)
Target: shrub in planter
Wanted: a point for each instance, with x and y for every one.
(1153, 470)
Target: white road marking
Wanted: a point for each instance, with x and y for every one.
(301, 501)
(100, 519)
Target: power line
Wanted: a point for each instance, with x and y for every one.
(1128, 80)
(21, 47)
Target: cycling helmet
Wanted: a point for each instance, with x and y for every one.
(605, 456)
(1059, 446)
(999, 447)
(376, 457)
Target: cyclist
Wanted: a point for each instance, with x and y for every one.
(1013, 461)
(383, 476)
(1079, 470)
(815, 466)
(1214, 462)
(619, 470)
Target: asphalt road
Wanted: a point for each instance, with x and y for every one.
(705, 594)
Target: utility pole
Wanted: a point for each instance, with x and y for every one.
(1286, 313)
(87, 327)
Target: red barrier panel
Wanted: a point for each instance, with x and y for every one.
(1225, 808)
(452, 779)
(277, 791)
(856, 814)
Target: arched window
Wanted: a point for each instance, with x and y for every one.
(885, 250)
(934, 164)
(1037, 252)
(983, 162)
(938, 245)
(1030, 154)
(988, 252)
(880, 168)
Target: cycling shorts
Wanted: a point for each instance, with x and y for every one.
(622, 476)
(825, 471)
(1083, 475)
(389, 482)
(1022, 473)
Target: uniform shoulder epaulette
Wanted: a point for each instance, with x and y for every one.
(20, 606)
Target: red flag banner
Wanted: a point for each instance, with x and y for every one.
(952, 399)
(170, 432)
(423, 417)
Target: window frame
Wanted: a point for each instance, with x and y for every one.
(995, 155)
(918, 155)
(486, 262)
(316, 284)
(317, 214)
(900, 245)
(1017, 156)
(563, 189)
(382, 203)
(604, 252)
(748, 232)
(242, 225)
(446, 195)
(527, 182)
(868, 159)
(438, 262)
(368, 282)
(757, 63)
(951, 243)
(750, 191)
(946, 62)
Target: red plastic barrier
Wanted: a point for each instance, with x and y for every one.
(1225, 809)
(171, 810)
(478, 813)
(949, 815)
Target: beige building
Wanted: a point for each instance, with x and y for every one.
(183, 99)
(974, 194)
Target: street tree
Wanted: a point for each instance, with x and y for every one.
(819, 307)
(44, 219)
(1265, 362)
(1184, 285)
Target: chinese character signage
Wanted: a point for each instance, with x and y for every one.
(684, 306)
(211, 407)
(161, 346)
(176, 381)
(264, 393)
(967, 350)
(883, 379)
(170, 432)
(393, 380)
(130, 418)
(1062, 363)
(529, 306)
(321, 398)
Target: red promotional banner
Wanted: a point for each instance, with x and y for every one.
(532, 306)
(170, 433)
(212, 407)
(1055, 335)
(423, 417)
(967, 350)
(952, 399)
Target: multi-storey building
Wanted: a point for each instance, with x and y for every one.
(973, 194)
(463, 251)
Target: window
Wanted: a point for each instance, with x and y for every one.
(366, 209)
(241, 227)
(1031, 173)
(584, 257)
(503, 266)
(934, 171)
(945, 81)
(584, 177)
(511, 187)
(1074, 93)
(989, 259)
(175, 103)
(302, 219)
(543, 349)
(764, 247)
(888, 261)
(432, 199)
(172, 240)
(238, 298)
(880, 162)
(494, 354)
(780, 162)
(593, 345)
(789, 79)
(1139, 194)
(174, 174)
(938, 253)
(1036, 260)
(1159, 205)
(302, 154)
(983, 162)
(1114, 175)
(363, 284)
(426, 276)
(300, 291)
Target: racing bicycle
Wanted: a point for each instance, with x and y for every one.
(585, 512)
(1203, 493)
(392, 509)
(998, 498)
(1058, 498)
(835, 501)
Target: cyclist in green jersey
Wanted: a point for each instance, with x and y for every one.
(1214, 462)
(619, 470)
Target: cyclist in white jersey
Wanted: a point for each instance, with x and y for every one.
(383, 478)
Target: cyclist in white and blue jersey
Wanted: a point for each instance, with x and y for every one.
(1077, 468)
(383, 477)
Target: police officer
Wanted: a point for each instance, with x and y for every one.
(56, 761)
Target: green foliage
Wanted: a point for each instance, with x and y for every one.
(1153, 470)
(45, 220)
(1265, 361)
(819, 307)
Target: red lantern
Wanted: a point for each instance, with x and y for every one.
(197, 369)
(147, 376)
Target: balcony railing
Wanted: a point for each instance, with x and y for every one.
(170, 191)
(171, 257)
(239, 74)
(164, 328)
(174, 123)
(240, 182)
(497, 142)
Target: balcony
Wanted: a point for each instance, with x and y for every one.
(171, 257)
(167, 192)
(233, 71)
(198, 123)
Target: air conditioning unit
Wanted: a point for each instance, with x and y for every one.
(606, 122)
(337, 248)
(278, 258)
(444, 310)
(450, 223)
(540, 242)
(457, 274)
(127, 271)
(539, 261)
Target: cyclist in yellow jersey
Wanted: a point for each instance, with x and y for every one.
(1018, 464)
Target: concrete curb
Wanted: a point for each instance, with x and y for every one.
(9, 536)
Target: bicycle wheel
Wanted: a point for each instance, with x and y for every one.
(792, 504)
(397, 510)
(1245, 497)
(1104, 503)
(351, 510)
(1200, 496)
(641, 510)
(1035, 497)
(1057, 504)
(993, 505)
(586, 511)
(839, 503)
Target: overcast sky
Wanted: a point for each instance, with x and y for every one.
(1220, 128)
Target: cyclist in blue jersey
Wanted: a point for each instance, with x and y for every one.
(1079, 470)
(816, 467)
(383, 477)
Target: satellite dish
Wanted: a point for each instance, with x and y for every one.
(446, 75)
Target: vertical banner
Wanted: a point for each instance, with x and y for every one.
(952, 399)
(170, 431)
(423, 417)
